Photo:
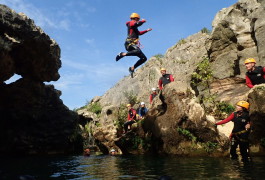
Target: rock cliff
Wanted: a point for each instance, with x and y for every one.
(33, 118)
(209, 78)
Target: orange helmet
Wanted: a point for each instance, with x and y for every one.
(135, 15)
(250, 60)
(162, 69)
(243, 104)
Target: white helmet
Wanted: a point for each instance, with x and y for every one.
(142, 103)
(153, 89)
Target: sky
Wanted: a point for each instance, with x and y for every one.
(91, 33)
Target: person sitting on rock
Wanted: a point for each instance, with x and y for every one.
(255, 74)
(142, 111)
(152, 95)
(165, 79)
(130, 118)
(240, 132)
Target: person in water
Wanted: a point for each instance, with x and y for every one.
(240, 132)
(86, 152)
(132, 41)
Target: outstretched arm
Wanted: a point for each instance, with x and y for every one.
(229, 118)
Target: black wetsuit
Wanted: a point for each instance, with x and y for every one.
(130, 45)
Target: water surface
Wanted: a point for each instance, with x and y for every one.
(130, 167)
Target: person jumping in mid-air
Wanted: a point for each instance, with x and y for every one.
(132, 41)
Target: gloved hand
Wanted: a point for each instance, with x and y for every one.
(143, 20)
(149, 29)
(215, 125)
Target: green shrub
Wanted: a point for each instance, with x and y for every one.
(203, 74)
(205, 30)
(131, 97)
(158, 56)
(209, 146)
(95, 108)
(121, 116)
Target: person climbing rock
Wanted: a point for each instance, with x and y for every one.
(240, 132)
(142, 111)
(152, 95)
(132, 41)
(165, 79)
(130, 118)
(255, 74)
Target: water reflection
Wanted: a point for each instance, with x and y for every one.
(130, 167)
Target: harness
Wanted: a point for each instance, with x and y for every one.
(134, 41)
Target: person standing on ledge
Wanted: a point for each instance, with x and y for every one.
(132, 41)
(240, 132)
(255, 74)
(165, 79)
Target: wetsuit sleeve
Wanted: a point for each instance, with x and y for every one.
(264, 72)
(160, 84)
(150, 98)
(142, 32)
(139, 23)
(134, 114)
(248, 82)
(229, 118)
(171, 78)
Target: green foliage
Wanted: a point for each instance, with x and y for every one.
(158, 56)
(187, 133)
(131, 97)
(205, 30)
(98, 124)
(210, 146)
(121, 116)
(138, 142)
(203, 74)
(260, 87)
(95, 108)
(225, 107)
(181, 41)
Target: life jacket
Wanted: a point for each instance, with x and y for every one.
(256, 76)
(240, 121)
(153, 95)
(165, 79)
(142, 111)
(131, 114)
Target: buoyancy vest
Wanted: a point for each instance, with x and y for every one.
(256, 76)
(131, 114)
(153, 95)
(240, 121)
(165, 79)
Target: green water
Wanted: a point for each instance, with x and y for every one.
(130, 167)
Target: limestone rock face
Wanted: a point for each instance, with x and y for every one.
(238, 33)
(257, 113)
(176, 118)
(33, 118)
(25, 49)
